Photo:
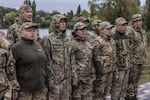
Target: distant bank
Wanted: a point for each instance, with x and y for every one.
(43, 31)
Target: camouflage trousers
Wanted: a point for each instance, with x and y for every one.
(102, 86)
(39, 95)
(119, 85)
(60, 90)
(134, 76)
(83, 90)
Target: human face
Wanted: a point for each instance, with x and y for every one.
(62, 25)
(96, 27)
(106, 31)
(121, 27)
(81, 32)
(30, 33)
(26, 15)
(138, 23)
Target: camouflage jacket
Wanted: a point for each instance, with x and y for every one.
(57, 48)
(93, 37)
(82, 51)
(104, 52)
(14, 31)
(7, 67)
(138, 42)
(122, 50)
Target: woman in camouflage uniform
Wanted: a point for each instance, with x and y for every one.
(103, 61)
(82, 51)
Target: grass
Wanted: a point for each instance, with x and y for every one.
(146, 72)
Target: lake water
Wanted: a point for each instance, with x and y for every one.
(43, 32)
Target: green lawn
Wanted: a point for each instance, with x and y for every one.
(146, 72)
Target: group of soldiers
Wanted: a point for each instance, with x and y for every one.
(80, 66)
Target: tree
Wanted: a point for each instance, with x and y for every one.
(138, 2)
(10, 17)
(78, 10)
(147, 15)
(111, 9)
(34, 9)
(27, 2)
(85, 13)
(92, 10)
(69, 18)
(2, 13)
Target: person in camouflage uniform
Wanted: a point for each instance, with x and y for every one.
(103, 60)
(85, 21)
(95, 27)
(138, 42)
(82, 51)
(31, 69)
(57, 47)
(14, 31)
(7, 70)
(122, 62)
(96, 30)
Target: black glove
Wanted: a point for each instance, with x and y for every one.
(99, 68)
(97, 64)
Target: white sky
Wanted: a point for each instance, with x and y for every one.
(51, 5)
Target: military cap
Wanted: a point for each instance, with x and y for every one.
(58, 17)
(105, 24)
(121, 21)
(96, 22)
(136, 17)
(82, 19)
(25, 7)
(28, 25)
(79, 25)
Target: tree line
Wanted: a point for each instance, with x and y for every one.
(98, 9)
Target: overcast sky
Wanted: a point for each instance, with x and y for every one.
(51, 5)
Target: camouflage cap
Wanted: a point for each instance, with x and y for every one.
(58, 17)
(105, 24)
(96, 22)
(82, 19)
(29, 25)
(79, 25)
(121, 21)
(25, 7)
(136, 17)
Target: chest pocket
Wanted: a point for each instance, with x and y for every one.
(57, 50)
(107, 49)
(83, 53)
